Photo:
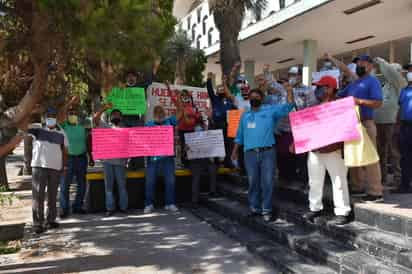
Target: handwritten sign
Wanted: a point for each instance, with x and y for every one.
(205, 144)
(335, 73)
(114, 143)
(233, 117)
(157, 94)
(325, 124)
(130, 101)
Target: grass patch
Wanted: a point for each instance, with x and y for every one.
(9, 247)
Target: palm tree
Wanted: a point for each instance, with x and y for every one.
(229, 16)
(179, 51)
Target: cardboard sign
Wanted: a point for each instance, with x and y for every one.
(325, 124)
(114, 143)
(130, 101)
(157, 94)
(233, 118)
(205, 144)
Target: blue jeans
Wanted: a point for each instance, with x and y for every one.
(76, 167)
(112, 172)
(154, 167)
(260, 171)
(406, 155)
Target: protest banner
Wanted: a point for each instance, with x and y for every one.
(205, 144)
(233, 118)
(335, 73)
(157, 94)
(325, 124)
(130, 101)
(112, 143)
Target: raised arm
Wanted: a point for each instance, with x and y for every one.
(342, 66)
(98, 115)
(209, 86)
(62, 115)
(391, 74)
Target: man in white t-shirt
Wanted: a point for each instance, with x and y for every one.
(49, 153)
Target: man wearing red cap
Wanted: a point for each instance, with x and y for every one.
(328, 158)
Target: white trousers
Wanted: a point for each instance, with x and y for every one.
(333, 162)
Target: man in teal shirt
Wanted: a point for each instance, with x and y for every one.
(77, 159)
(255, 133)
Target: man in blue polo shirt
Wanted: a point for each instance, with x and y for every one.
(255, 134)
(405, 115)
(368, 96)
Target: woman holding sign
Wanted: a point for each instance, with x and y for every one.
(156, 164)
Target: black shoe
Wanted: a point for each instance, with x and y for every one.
(253, 214)
(64, 215)
(53, 225)
(123, 211)
(109, 213)
(213, 194)
(312, 215)
(356, 193)
(373, 199)
(38, 230)
(340, 220)
(79, 211)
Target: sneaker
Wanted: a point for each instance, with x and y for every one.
(356, 193)
(171, 208)
(373, 199)
(53, 225)
(38, 230)
(267, 217)
(123, 211)
(340, 220)
(148, 209)
(312, 215)
(253, 214)
(109, 213)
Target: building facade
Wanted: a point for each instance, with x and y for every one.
(299, 32)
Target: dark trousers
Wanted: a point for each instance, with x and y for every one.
(406, 154)
(44, 178)
(228, 142)
(197, 166)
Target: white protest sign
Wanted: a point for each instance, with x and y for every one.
(335, 73)
(205, 144)
(157, 94)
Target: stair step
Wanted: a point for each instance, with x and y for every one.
(285, 260)
(304, 240)
(385, 246)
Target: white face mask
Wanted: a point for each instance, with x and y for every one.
(409, 77)
(293, 81)
(328, 64)
(50, 122)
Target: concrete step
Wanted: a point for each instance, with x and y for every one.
(388, 247)
(283, 259)
(306, 241)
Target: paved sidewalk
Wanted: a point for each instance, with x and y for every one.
(157, 243)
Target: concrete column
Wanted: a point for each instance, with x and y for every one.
(249, 69)
(310, 59)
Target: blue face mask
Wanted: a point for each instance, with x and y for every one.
(320, 93)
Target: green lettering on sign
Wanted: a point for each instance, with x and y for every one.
(130, 101)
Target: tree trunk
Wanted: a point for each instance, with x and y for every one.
(229, 50)
(4, 184)
(28, 150)
(180, 75)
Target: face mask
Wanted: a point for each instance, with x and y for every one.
(293, 81)
(221, 95)
(328, 64)
(255, 103)
(360, 71)
(73, 119)
(50, 122)
(115, 121)
(245, 96)
(409, 77)
(320, 93)
(158, 120)
(239, 86)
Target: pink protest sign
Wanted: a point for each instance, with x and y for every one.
(325, 124)
(112, 143)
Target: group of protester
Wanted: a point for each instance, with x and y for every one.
(264, 138)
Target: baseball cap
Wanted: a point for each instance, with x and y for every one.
(327, 81)
(407, 66)
(366, 58)
(294, 70)
(51, 110)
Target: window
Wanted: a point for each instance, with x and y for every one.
(210, 37)
(193, 32)
(198, 41)
(189, 22)
(199, 15)
(204, 24)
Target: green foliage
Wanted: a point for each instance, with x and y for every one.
(195, 68)
(9, 248)
(5, 198)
